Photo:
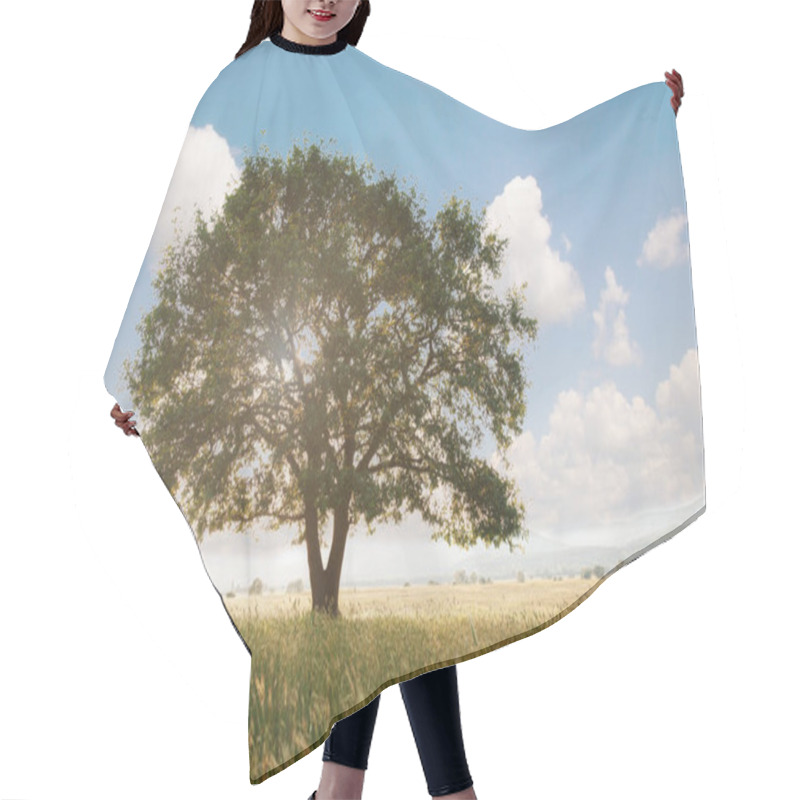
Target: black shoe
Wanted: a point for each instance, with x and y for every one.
(313, 795)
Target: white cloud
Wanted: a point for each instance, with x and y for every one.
(612, 341)
(555, 292)
(666, 244)
(606, 459)
(679, 395)
(202, 176)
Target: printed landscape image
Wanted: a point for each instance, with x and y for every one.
(409, 422)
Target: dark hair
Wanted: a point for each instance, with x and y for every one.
(266, 18)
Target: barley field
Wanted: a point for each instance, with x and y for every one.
(307, 667)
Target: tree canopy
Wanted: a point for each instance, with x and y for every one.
(322, 351)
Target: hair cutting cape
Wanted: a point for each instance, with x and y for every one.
(419, 381)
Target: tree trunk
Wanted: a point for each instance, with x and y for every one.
(322, 597)
(325, 581)
(325, 597)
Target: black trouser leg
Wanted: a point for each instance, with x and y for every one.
(431, 701)
(433, 710)
(351, 737)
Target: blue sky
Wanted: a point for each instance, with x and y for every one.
(595, 214)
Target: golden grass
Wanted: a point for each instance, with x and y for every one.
(308, 670)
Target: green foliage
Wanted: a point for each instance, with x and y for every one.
(320, 347)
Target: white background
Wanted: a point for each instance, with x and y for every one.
(677, 677)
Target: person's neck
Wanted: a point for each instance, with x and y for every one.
(294, 34)
(308, 49)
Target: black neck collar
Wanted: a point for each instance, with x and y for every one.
(310, 49)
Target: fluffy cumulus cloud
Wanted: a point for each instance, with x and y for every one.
(206, 171)
(554, 292)
(679, 396)
(606, 458)
(666, 244)
(612, 340)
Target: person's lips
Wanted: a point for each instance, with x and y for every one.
(321, 15)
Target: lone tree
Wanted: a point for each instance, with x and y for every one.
(321, 354)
